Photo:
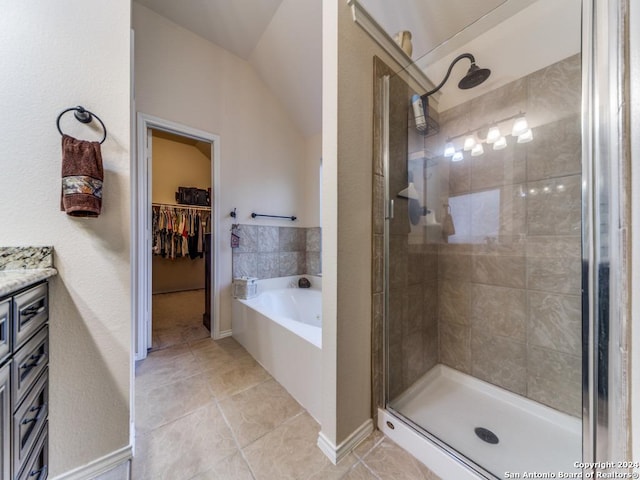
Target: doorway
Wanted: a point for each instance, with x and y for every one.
(172, 269)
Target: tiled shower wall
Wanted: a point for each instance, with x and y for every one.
(271, 252)
(509, 304)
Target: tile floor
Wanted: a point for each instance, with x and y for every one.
(206, 410)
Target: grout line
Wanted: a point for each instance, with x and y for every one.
(378, 442)
(369, 469)
(184, 415)
(235, 439)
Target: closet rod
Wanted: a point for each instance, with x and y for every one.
(180, 206)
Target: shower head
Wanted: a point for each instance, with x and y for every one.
(474, 77)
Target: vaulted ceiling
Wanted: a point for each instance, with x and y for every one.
(282, 40)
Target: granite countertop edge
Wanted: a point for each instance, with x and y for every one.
(13, 280)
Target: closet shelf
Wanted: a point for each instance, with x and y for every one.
(182, 206)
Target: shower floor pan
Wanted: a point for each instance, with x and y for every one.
(530, 437)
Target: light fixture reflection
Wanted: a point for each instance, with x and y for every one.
(457, 157)
(469, 143)
(449, 150)
(520, 126)
(526, 136)
(477, 150)
(493, 135)
(500, 143)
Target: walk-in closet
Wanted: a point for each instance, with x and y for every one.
(181, 239)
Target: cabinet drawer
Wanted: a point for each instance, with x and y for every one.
(37, 465)
(30, 310)
(28, 363)
(29, 419)
(5, 329)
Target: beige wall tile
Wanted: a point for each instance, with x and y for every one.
(508, 271)
(554, 378)
(398, 261)
(378, 263)
(499, 103)
(556, 275)
(454, 302)
(454, 267)
(455, 346)
(499, 360)
(554, 206)
(556, 150)
(555, 322)
(378, 204)
(554, 91)
(499, 311)
(554, 246)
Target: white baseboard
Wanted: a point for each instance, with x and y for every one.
(224, 334)
(99, 466)
(337, 453)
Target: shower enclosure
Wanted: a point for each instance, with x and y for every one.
(483, 213)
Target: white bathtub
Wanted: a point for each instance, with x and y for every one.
(282, 329)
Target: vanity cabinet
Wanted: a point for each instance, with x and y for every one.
(24, 383)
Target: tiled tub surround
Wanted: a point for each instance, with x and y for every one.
(22, 266)
(271, 252)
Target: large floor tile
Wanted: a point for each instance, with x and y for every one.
(289, 452)
(155, 371)
(359, 472)
(231, 468)
(177, 334)
(211, 355)
(239, 376)
(390, 462)
(369, 443)
(160, 405)
(258, 410)
(185, 447)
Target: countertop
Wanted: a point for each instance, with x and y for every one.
(12, 280)
(23, 266)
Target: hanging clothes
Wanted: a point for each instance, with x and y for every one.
(179, 231)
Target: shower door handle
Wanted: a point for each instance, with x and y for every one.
(390, 216)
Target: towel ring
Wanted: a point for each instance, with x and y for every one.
(83, 116)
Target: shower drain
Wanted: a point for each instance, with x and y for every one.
(486, 435)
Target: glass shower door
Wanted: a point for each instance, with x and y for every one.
(483, 262)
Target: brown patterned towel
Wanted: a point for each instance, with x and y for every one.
(82, 177)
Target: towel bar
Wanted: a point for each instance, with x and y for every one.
(84, 116)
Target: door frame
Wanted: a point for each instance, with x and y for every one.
(141, 225)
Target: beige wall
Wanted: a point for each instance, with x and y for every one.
(57, 55)
(311, 179)
(262, 152)
(346, 220)
(177, 164)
